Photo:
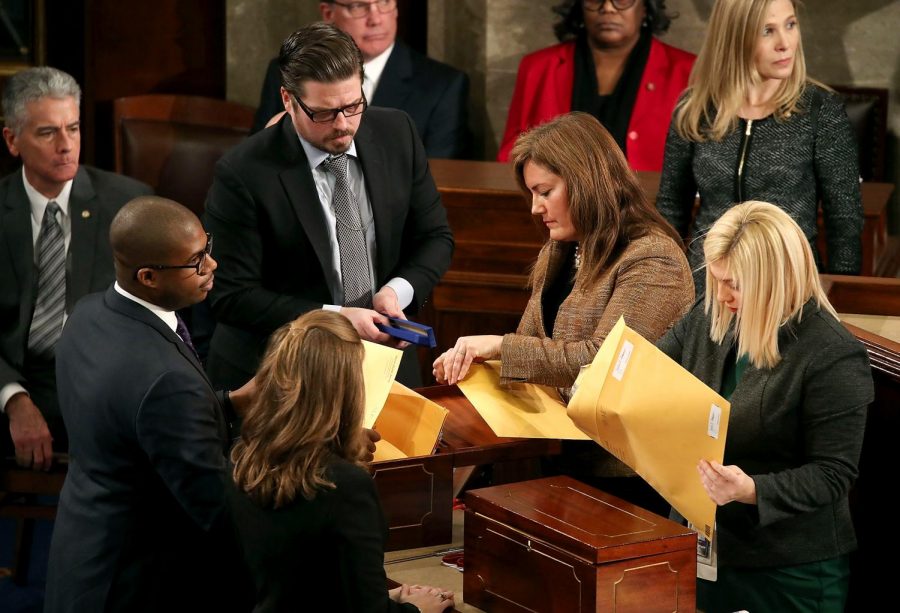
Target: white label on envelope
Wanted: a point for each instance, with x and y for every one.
(715, 417)
(622, 362)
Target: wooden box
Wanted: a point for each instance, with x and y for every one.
(417, 492)
(557, 545)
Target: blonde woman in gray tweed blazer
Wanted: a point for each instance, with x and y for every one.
(610, 254)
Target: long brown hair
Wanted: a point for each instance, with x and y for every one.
(606, 203)
(309, 405)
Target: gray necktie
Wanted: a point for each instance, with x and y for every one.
(351, 236)
(46, 323)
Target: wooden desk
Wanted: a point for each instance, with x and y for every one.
(874, 519)
(416, 493)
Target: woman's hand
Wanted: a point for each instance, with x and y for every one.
(428, 599)
(724, 484)
(453, 364)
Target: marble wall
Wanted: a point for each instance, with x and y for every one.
(846, 42)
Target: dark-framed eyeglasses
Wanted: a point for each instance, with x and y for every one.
(596, 5)
(358, 10)
(329, 115)
(198, 267)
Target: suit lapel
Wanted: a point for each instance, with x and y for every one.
(301, 192)
(374, 164)
(15, 220)
(395, 83)
(83, 211)
(129, 308)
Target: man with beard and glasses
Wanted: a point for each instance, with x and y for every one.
(334, 207)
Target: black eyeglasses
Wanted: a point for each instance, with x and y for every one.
(198, 267)
(329, 115)
(596, 5)
(359, 10)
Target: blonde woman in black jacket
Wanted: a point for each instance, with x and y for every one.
(799, 383)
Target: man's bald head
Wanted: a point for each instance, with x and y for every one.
(148, 230)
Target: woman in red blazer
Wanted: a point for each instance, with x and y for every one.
(610, 65)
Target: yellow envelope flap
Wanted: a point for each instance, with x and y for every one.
(655, 416)
(384, 450)
(380, 364)
(523, 410)
(410, 422)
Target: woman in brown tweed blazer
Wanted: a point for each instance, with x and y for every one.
(610, 254)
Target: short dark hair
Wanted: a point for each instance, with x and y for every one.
(318, 52)
(572, 14)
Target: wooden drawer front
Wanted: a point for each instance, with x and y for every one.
(509, 571)
(653, 584)
(417, 499)
(506, 571)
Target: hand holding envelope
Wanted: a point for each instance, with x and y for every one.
(655, 416)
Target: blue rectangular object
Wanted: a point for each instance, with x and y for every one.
(414, 332)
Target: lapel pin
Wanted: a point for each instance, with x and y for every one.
(85, 214)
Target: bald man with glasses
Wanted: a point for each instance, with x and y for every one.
(434, 94)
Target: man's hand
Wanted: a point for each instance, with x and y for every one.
(364, 321)
(385, 301)
(29, 433)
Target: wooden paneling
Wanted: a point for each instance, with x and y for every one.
(497, 240)
(871, 579)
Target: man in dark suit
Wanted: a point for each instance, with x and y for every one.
(54, 223)
(142, 523)
(396, 76)
(334, 207)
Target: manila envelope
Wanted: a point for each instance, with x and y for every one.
(523, 410)
(380, 365)
(655, 416)
(410, 425)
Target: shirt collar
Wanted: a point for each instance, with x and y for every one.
(39, 201)
(374, 67)
(168, 317)
(316, 156)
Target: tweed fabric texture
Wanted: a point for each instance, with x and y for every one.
(649, 284)
(793, 164)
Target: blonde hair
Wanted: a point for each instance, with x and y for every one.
(725, 71)
(607, 206)
(309, 404)
(769, 259)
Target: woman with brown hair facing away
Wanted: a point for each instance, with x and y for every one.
(753, 126)
(609, 254)
(305, 509)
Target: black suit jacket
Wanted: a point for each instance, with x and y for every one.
(435, 95)
(95, 199)
(796, 429)
(326, 553)
(270, 239)
(141, 524)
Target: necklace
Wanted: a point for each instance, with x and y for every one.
(577, 257)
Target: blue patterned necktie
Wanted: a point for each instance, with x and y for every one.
(351, 236)
(182, 331)
(50, 305)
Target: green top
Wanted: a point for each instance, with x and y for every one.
(734, 370)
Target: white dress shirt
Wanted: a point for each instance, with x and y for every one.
(324, 181)
(372, 72)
